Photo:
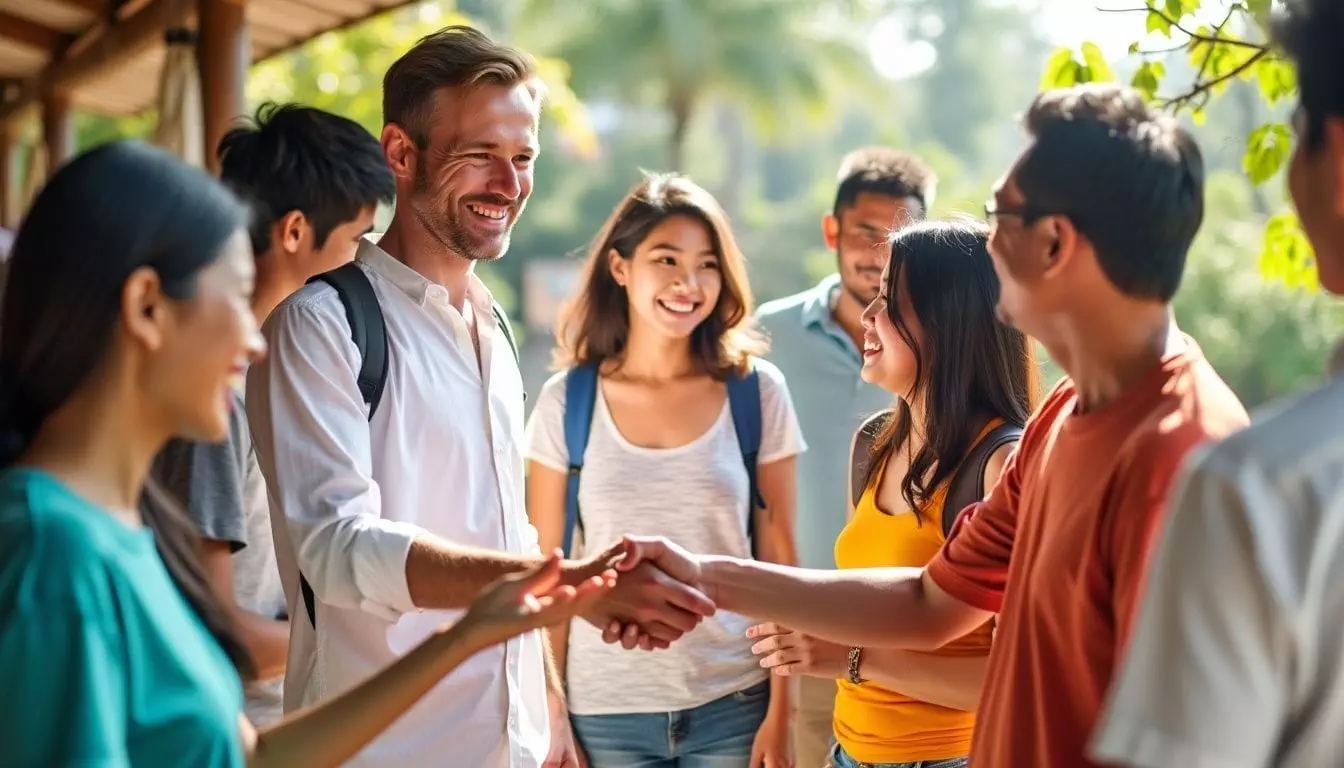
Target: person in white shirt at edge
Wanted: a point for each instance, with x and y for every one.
(396, 523)
(662, 313)
(1236, 654)
(306, 219)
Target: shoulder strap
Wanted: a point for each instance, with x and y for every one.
(744, 403)
(862, 453)
(369, 332)
(580, 397)
(968, 482)
(367, 328)
(503, 321)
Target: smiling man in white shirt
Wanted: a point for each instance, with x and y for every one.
(395, 519)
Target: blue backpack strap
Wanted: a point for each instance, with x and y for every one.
(744, 401)
(580, 397)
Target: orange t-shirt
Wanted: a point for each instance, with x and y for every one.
(873, 723)
(1059, 549)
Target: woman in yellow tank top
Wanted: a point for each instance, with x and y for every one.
(933, 341)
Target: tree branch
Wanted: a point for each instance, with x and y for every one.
(1195, 36)
(1200, 89)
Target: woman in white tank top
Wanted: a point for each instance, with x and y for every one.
(661, 319)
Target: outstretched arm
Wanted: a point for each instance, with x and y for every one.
(332, 732)
(871, 607)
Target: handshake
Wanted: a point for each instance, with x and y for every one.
(658, 594)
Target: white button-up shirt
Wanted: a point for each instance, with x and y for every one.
(442, 454)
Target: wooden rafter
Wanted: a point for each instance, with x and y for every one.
(30, 33)
(97, 7)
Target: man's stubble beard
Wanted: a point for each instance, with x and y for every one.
(446, 228)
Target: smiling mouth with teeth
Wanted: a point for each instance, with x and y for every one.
(678, 307)
(488, 213)
(870, 345)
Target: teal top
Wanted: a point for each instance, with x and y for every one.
(102, 661)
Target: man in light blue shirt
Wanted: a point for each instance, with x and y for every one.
(816, 339)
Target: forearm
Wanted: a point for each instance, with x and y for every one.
(555, 682)
(558, 638)
(948, 681)
(267, 640)
(871, 607)
(332, 732)
(444, 575)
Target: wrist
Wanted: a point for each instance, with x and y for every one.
(716, 574)
(575, 572)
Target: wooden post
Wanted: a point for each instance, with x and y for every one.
(9, 189)
(223, 51)
(58, 129)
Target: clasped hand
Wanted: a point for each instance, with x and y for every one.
(656, 598)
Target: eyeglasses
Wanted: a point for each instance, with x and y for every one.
(1029, 214)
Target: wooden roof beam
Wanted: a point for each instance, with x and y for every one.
(102, 47)
(31, 34)
(96, 7)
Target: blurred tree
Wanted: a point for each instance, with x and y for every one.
(778, 59)
(1235, 48)
(1267, 339)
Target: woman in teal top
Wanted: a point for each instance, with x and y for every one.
(124, 318)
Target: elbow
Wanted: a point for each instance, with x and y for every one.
(358, 562)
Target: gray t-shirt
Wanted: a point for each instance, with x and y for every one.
(221, 489)
(694, 494)
(1237, 654)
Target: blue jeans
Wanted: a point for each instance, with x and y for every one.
(841, 759)
(714, 735)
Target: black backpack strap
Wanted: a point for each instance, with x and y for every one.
(861, 453)
(504, 327)
(369, 332)
(367, 328)
(968, 482)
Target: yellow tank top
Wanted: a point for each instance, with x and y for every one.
(875, 724)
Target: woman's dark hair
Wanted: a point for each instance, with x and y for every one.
(105, 214)
(596, 324)
(969, 369)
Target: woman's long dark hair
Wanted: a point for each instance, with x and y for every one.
(595, 325)
(102, 216)
(969, 369)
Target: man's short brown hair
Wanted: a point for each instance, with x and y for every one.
(452, 56)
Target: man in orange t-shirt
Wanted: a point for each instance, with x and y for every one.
(1090, 232)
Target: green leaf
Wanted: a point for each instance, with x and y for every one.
(1159, 24)
(1267, 151)
(1099, 69)
(1175, 9)
(1277, 79)
(1260, 11)
(1133, 47)
(1148, 78)
(1197, 115)
(1061, 70)
(1286, 255)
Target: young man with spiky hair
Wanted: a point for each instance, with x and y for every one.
(313, 181)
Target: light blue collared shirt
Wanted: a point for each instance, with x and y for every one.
(821, 365)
